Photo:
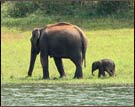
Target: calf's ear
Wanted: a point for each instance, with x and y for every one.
(98, 63)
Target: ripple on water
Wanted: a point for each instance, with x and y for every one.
(58, 95)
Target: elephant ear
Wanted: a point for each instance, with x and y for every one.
(98, 64)
(35, 36)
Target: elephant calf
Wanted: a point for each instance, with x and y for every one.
(104, 65)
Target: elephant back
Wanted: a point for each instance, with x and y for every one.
(58, 24)
(65, 25)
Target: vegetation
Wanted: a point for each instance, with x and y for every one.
(109, 36)
(26, 15)
(114, 44)
(78, 8)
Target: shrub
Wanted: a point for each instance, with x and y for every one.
(18, 9)
(75, 8)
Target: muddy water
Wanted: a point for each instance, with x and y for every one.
(62, 95)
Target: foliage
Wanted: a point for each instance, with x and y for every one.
(78, 8)
(115, 45)
(114, 7)
(28, 23)
(18, 9)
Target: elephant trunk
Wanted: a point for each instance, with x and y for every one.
(32, 62)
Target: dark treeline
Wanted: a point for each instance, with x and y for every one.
(78, 8)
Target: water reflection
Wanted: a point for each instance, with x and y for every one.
(62, 95)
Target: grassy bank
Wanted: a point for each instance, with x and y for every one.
(101, 23)
(104, 41)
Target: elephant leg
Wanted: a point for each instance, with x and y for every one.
(109, 72)
(78, 72)
(78, 64)
(59, 64)
(44, 62)
(101, 72)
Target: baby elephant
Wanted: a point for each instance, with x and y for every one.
(104, 65)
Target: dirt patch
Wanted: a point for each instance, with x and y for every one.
(9, 36)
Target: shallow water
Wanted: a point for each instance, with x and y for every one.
(62, 95)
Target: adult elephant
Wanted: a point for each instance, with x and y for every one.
(61, 40)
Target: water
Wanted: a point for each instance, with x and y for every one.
(62, 95)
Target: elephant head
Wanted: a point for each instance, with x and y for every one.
(34, 48)
(35, 40)
(95, 65)
(104, 65)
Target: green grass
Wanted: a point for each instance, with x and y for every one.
(28, 23)
(116, 44)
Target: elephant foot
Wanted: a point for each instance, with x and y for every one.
(46, 78)
(102, 76)
(78, 76)
(29, 75)
(75, 77)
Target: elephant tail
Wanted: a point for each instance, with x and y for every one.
(84, 43)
